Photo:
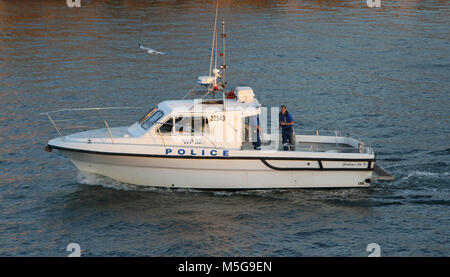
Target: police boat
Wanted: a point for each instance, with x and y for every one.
(205, 140)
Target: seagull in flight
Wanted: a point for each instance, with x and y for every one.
(150, 50)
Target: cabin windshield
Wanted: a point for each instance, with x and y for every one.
(150, 118)
(147, 115)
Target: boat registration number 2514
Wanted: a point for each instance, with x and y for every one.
(197, 152)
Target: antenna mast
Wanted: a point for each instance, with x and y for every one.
(224, 65)
(213, 40)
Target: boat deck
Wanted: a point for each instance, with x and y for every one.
(307, 147)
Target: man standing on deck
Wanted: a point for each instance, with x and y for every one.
(255, 129)
(287, 132)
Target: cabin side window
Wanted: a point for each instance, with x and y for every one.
(150, 119)
(205, 126)
(190, 126)
(183, 125)
(197, 125)
(166, 127)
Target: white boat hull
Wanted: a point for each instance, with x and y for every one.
(222, 173)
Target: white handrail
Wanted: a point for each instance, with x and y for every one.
(59, 129)
(92, 109)
(106, 124)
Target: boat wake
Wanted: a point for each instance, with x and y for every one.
(427, 174)
(99, 180)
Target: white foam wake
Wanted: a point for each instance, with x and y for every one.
(427, 174)
(99, 180)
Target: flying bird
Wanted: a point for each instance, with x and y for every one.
(150, 51)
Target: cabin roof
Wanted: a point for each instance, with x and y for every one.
(230, 105)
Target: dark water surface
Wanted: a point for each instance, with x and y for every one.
(381, 74)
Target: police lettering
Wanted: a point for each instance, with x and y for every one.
(198, 152)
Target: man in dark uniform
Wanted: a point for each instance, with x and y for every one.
(287, 132)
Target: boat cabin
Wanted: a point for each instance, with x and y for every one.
(218, 123)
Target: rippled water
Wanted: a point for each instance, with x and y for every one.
(379, 73)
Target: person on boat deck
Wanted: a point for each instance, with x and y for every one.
(255, 129)
(287, 133)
